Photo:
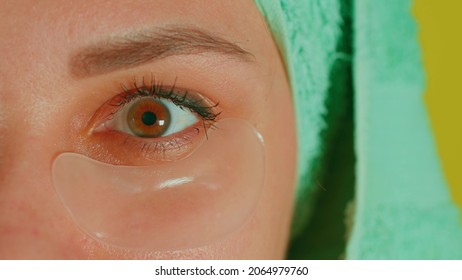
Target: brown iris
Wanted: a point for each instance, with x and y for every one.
(148, 118)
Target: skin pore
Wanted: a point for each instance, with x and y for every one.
(58, 69)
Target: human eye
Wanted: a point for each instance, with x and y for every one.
(150, 121)
(153, 185)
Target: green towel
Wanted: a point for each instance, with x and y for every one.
(403, 206)
(404, 209)
(307, 34)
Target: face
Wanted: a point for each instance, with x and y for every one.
(67, 65)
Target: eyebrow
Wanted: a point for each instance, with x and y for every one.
(142, 47)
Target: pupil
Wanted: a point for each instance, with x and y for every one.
(148, 118)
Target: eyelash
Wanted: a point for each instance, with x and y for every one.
(182, 98)
(137, 148)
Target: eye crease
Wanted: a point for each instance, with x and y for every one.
(167, 180)
(195, 102)
(153, 111)
(153, 122)
(102, 161)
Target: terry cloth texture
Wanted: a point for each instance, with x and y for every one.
(404, 209)
(308, 34)
(403, 206)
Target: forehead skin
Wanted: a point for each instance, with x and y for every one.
(42, 36)
(53, 28)
(37, 40)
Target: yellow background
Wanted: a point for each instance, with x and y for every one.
(440, 35)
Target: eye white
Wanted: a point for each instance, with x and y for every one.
(181, 118)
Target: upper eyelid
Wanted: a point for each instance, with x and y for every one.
(205, 109)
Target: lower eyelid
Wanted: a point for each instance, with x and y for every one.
(101, 142)
(132, 150)
(108, 113)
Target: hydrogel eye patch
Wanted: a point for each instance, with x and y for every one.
(168, 205)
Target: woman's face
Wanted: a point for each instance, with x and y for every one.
(61, 61)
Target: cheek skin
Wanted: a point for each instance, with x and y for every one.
(274, 209)
(273, 117)
(33, 221)
(278, 129)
